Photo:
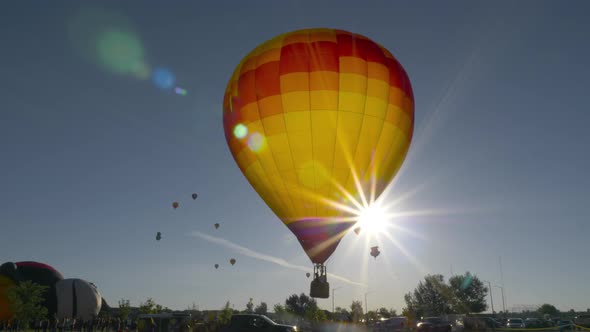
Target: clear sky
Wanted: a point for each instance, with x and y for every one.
(92, 159)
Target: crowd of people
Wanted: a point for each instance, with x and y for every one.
(67, 324)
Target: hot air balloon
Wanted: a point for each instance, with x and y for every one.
(40, 273)
(194, 195)
(310, 115)
(216, 225)
(375, 252)
(308, 274)
(216, 266)
(77, 298)
(158, 236)
(5, 284)
(232, 261)
(175, 205)
(357, 230)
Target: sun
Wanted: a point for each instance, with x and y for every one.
(372, 220)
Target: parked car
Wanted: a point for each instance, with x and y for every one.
(392, 324)
(255, 323)
(433, 324)
(515, 323)
(565, 325)
(533, 323)
(582, 320)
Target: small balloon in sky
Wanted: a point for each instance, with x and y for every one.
(163, 78)
(240, 131)
(180, 91)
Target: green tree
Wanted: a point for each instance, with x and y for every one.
(356, 311)
(548, 309)
(372, 315)
(124, 308)
(261, 309)
(341, 314)
(25, 301)
(148, 307)
(299, 304)
(468, 294)
(250, 307)
(226, 313)
(430, 298)
(383, 312)
(314, 314)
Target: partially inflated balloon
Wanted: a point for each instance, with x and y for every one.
(77, 298)
(36, 272)
(313, 113)
(5, 284)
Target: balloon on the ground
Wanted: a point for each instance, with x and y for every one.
(39, 273)
(175, 205)
(77, 298)
(312, 113)
(5, 311)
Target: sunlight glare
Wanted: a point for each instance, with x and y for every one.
(373, 220)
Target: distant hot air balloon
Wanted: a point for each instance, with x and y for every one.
(194, 195)
(77, 298)
(357, 230)
(158, 236)
(232, 261)
(216, 225)
(175, 205)
(216, 266)
(305, 110)
(375, 252)
(308, 274)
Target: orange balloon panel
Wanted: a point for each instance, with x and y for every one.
(5, 312)
(317, 119)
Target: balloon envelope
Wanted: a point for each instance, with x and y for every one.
(375, 252)
(5, 284)
(311, 113)
(308, 274)
(175, 205)
(216, 266)
(195, 196)
(77, 298)
(216, 226)
(232, 261)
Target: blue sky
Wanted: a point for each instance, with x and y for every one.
(92, 160)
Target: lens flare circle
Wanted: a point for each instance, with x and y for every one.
(256, 142)
(240, 131)
(163, 78)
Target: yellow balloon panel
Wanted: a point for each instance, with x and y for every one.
(312, 117)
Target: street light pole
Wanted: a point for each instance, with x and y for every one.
(367, 307)
(491, 296)
(333, 290)
(503, 303)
